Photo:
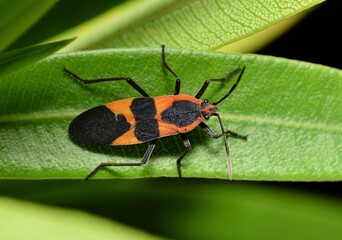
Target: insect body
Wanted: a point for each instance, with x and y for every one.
(145, 119)
(138, 120)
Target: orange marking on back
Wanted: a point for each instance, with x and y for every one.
(122, 107)
(128, 138)
(161, 103)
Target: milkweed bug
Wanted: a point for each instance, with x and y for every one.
(138, 120)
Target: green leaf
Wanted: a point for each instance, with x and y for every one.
(18, 16)
(197, 25)
(192, 209)
(51, 24)
(15, 60)
(260, 39)
(37, 220)
(289, 109)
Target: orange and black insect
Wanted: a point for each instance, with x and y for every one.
(138, 120)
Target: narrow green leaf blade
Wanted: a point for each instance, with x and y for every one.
(290, 109)
(37, 220)
(215, 209)
(18, 16)
(15, 60)
(197, 25)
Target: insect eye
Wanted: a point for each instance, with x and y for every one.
(206, 116)
(205, 101)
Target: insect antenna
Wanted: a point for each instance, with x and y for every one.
(231, 89)
(230, 170)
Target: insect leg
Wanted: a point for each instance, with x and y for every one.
(146, 157)
(178, 81)
(213, 134)
(89, 81)
(231, 89)
(187, 146)
(206, 83)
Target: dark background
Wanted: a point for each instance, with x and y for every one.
(317, 38)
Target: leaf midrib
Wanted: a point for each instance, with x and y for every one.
(281, 122)
(232, 117)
